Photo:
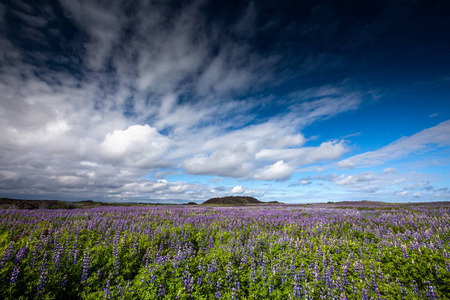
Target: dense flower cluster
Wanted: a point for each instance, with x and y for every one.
(204, 252)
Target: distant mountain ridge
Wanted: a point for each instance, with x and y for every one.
(233, 200)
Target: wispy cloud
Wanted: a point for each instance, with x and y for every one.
(421, 142)
(385, 185)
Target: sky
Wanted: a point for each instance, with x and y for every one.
(177, 101)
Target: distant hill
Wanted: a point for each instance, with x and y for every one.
(34, 204)
(6, 203)
(233, 200)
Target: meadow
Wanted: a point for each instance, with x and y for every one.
(213, 252)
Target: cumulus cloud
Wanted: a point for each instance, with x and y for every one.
(421, 142)
(278, 171)
(237, 190)
(138, 146)
(258, 151)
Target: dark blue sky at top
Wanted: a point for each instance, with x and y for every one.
(384, 64)
(376, 43)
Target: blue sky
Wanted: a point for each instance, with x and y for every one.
(183, 101)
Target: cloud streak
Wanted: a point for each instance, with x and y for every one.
(385, 186)
(421, 142)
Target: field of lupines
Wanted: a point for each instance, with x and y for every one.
(200, 252)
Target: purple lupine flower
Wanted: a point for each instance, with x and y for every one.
(188, 281)
(373, 282)
(364, 294)
(75, 256)
(146, 258)
(236, 287)
(120, 291)
(297, 289)
(64, 281)
(212, 268)
(303, 274)
(252, 271)
(229, 271)
(21, 254)
(42, 278)
(57, 255)
(405, 252)
(15, 274)
(292, 267)
(116, 253)
(7, 254)
(107, 289)
(161, 290)
(270, 288)
(327, 278)
(415, 288)
(85, 267)
(353, 287)
(403, 291)
(44, 262)
(218, 289)
(72, 252)
(430, 293)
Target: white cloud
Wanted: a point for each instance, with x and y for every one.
(306, 155)
(384, 184)
(230, 162)
(289, 141)
(237, 190)
(139, 146)
(256, 151)
(277, 171)
(351, 135)
(421, 142)
(89, 163)
(389, 170)
(324, 102)
(68, 180)
(353, 179)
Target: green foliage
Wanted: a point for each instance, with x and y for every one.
(227, 253)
